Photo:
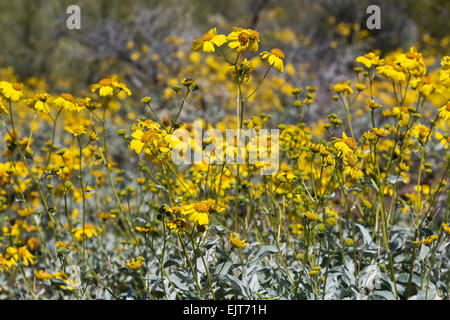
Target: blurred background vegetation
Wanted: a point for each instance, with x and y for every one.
(320, 38)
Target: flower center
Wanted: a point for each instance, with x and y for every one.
(277, 52)
(201, 207)
(243, 38)
(105, 82)
(350, 142)
(17, 86)
(67, 96)
(207, 36)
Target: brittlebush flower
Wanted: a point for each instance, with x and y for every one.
(21, 252)
(40, 102)
(208, 41)
(343, 87)
(11, 91)
(109, 87)
(446, 228)
(242, 39)
(444, 112)
(42, 275)
(234, 240)
(391, 71)
(370, 59)
(274, 58)
(6, 264)
(198, 212)
(67, 102)
(177, 224)
(135, 264)
(346, 145)
(89, 232)
(312, 216)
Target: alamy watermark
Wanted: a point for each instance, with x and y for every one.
(242, 146)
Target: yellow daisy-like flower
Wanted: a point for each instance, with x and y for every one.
(179, 224)
(242, 39)
(11, 91)
(343, 87)
(312, 216)
(391, 71)
(109, 87)
(145, 229)
(347, 145)
(21, 252)
(444, 112)
(76, 129)
(6, 264)
(106, 216)
(380, 132)
(89, 232)
(234, 240)
(144, 141)
(208, 41)
(274, 58)
(446, 228)
(412, 62)
(67, 102)
(198, 212)
(40, 102)
(135, 264)
(370, 59)
(42, 275)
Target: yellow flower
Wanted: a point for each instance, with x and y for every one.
(446, 228)
(135, 264)
(369, 59)
(380, 132)
(145, 229)
(234, 240)
(429, 240)
(392, 72)
(11, 91)
(21, 252)
(274, 58)
(198, 212)
(411, 63)
(444, 111)
(6, 264)
(106, 216)
(76, 129)
(347, 145)
(42, 275)
(179, 224)
(240, 39)
(67, 102)
(40, 102)
(349, 242)
(208, 41)
(89, 232)
(343, 87)
(312, 216)
(109, 87)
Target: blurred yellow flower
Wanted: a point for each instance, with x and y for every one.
(208, 41)
(274, 58)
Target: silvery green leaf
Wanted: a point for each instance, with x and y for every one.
(254, 283)
(366, 235)
(264, 251)
(387, 295)
(396, 179)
